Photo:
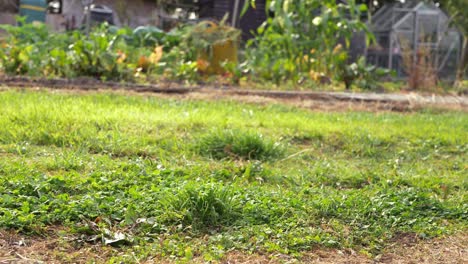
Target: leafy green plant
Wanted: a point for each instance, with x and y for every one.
(107, 53)
(24, 49)
(361, 74)
(149, 36)
(236, 72)
(301, 37)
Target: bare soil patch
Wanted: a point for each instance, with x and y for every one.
(452, 249)
(50, 248)
(406, 248)
(329, 105)
(317, 104)
(320, 101)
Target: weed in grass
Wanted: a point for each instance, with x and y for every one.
(202, 207)
(237, 144)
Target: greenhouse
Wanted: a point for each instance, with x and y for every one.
(415, 37)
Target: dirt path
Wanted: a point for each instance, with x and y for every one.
(332, 101)
(448, 250)
(327, 101)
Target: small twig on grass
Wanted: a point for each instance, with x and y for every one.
(28, 259)
(297, 154)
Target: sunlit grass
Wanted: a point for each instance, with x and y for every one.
(228, 175)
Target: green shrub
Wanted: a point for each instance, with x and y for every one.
(237, 144)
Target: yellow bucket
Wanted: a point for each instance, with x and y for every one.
(212, 62)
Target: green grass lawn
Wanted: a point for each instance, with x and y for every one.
(183, 179)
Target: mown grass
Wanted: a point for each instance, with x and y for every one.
(181, 179)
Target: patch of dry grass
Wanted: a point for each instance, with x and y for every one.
(408, 249)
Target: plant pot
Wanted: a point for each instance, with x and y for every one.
(220, 53)
(222, 46)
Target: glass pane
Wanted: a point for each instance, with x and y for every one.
(428, 25)
(407, 22)
(405, 40)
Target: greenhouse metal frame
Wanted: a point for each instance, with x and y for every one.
(414, 32)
